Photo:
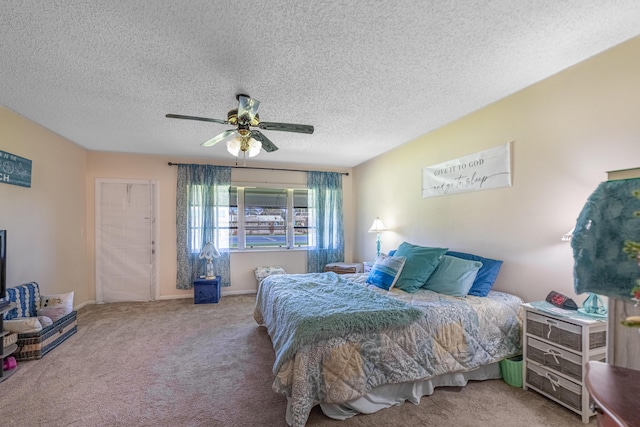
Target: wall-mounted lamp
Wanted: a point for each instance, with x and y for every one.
(568, 235)
(377, 227)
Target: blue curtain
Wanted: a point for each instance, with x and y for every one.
(326, 220)
(606, 241)
(202, 215)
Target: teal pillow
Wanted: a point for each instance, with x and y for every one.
(421, 262)
(386, 271)
(454, 276)
(486, 276)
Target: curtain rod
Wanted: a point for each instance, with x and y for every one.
(269, 169)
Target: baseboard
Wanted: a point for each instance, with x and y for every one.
(182, 296)
(244, 292)
(222, 294)
(84, 304)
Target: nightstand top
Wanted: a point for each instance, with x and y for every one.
(550, 309)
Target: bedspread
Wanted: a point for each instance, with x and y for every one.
(301, 309)
(454, 335)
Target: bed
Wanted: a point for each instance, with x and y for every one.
(337, 345)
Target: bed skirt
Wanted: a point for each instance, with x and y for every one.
(395, 394)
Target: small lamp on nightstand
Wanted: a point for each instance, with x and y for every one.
(377, 227)
(209, 252)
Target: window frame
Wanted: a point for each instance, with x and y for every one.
(290, 226)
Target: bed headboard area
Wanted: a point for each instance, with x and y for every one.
(437, 269)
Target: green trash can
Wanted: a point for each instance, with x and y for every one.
(511, 370)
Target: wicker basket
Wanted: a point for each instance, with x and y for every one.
(9, 339)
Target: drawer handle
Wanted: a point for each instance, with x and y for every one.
(553, 380)
(551, 323)
(554, 353)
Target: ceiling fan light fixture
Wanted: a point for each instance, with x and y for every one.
(254, 147)
(242, 138)
(233, 147)
(244, 144)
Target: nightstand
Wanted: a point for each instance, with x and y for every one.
(557, 346)
(614, 391)
(206, 291)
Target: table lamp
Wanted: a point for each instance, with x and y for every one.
(377, 227)
(209, 252)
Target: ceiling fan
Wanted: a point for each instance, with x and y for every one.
(243, 138)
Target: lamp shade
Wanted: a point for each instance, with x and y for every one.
(567, 237)
(377, 226)
(245, 144)
(254, 147)
(209, 251)
(233, 147)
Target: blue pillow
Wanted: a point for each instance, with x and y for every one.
(486, 275)
(454, 276)
(385, 271)
(392, 253)
(421, 262)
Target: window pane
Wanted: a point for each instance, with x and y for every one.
(265, 211)
(233, 217)
(300, 218)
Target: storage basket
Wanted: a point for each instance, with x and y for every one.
(35, 345)
(555, 386)
(564, 333)
(9, 339)
(511, 370)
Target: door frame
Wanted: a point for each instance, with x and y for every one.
(155, 205)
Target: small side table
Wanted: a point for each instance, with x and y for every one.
(614, 391)
(206, 291)
(344, 267)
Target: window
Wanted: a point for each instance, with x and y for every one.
(201, 202)
(261, 217)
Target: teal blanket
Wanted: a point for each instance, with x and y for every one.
(606, 241)
(300, 309)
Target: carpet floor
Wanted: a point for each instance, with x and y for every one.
(175, 363)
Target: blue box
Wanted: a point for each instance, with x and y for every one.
(206, 291)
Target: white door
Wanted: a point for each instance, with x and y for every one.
(125, 240)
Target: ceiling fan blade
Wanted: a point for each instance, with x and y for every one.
(202, 119)
(267, 145)
(227, 134)
(247, 109)
(287, 127)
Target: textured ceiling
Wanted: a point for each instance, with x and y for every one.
(368, 75)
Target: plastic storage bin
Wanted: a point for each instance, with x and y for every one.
(511, 370)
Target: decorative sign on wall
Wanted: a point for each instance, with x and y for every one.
(480, 171)
(15, 170)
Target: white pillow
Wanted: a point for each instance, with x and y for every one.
(262, 272)
(56, 306)
(23, 325)
(45, 321)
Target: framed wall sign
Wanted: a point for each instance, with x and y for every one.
(480, 171)
(15, 170)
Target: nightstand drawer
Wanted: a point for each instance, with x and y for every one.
(563, 333)
(555, 358)
(555, 386)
